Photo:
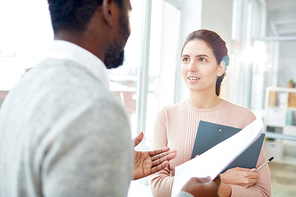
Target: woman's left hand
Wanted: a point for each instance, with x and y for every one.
(240, 176)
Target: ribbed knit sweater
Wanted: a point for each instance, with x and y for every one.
(176, 126)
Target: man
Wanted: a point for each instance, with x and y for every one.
(62, 133)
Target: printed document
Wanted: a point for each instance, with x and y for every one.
(215, 160)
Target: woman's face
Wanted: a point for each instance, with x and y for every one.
(199, 67)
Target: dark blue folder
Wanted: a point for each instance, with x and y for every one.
(209, 134)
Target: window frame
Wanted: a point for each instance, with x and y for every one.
(143, 72)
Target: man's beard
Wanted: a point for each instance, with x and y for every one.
(114, 55)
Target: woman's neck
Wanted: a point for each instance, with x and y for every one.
(204, 100)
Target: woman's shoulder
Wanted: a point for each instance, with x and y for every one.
(175, 106)
(234, 107)
(238, 112)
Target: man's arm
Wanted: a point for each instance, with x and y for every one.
(201, 188)
(149, 162)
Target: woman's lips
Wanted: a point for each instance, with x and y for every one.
(193, 79)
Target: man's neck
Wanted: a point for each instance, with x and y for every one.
(83, 41)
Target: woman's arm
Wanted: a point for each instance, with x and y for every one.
(161, 182)
(262, 186)
(224, 190)
(249, 183)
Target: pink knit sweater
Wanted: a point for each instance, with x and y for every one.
(176, 126)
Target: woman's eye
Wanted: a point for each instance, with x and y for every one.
(202, 60)
(185, 59)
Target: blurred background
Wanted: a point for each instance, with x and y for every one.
(261, 39)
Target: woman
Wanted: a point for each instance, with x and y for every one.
(203, 62)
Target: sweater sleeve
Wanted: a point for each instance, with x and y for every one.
(184, 194)
(262, 188)
(160, 182)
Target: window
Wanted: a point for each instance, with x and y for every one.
(273, 67)
(145, 83)
(124, 80)
(163, 61)
(248, 22)
(25, 37)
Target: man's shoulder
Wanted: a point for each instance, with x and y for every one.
(66, 78)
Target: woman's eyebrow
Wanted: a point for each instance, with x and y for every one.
(202, 55)
(185, 55)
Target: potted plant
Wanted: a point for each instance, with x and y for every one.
(291, 84)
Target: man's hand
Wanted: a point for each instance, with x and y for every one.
(149, 162)
(202, 187)
(240, 176)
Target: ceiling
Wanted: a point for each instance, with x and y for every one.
(281, 17)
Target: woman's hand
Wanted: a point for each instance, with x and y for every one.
(240, 176)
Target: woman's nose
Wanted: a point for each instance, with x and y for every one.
(192, 66)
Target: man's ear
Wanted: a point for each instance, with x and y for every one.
(107, 7)
(221, 69)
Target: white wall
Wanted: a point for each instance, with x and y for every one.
(190, 21)
(217, 16)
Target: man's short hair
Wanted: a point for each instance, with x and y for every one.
(73, 15)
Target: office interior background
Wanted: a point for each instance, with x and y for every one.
(261, 39)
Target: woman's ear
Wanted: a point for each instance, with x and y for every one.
(221, 69)
(107, 7)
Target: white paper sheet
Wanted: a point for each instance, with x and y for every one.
(215, 160)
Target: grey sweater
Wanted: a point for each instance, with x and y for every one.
(62, 133)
